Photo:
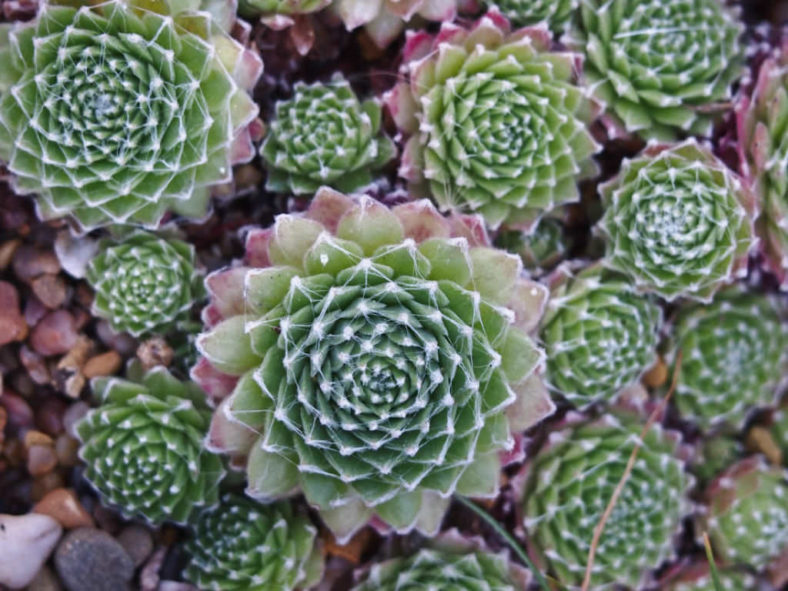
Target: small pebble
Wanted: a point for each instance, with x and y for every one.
(45, 580)
(30, 263)
(176, 586)
(105, 364)
(41, 459)
(50, 289)
(55, 334)
(35, 365)
(20, 415)
(12, 324)
(27, 542)
(67, 449)
(89, 559)
(45, 483)
(137, 541)
(62, 504)
(7, 251)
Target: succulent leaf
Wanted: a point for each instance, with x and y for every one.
(445, 569)
(143, 446)
(677, 222)
(114, 113)
(384, 20)
(734, 354)
(241, 545)
(498, 123)
(379, 382)
(747, 513)
(599, 335)
(325, 136)
(288, 8)
(763, 128)
(144, 284)
(661, 67)
(557, 14)
(569, 483)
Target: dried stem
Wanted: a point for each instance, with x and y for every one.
(630, 464)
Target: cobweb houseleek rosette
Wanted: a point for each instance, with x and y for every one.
(497, 122)
(762, 127)
(567, 485)
(734, 356)
(450, 561)
(242, 545)
(541, 249)
(746, 513)
(324, 135)
(558, 14)
(143, 446)
(381, 357)
(121, 111)
(664, 69)
(600, 335)
(144, 284)
(677, 222)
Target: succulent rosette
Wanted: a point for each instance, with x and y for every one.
(697, 577)
(497, 122)
(450, 561)
(144, 284)
(568, 484)
(677, 222)
(120, 111)
(762, 125)
(384, 20)
(734, 354)
(380, 357)
(557, 14)
(663, 68)
(747, 513)
(599, 335)
(143, 446)
(241, 545)
(541, 249)
(325, 136)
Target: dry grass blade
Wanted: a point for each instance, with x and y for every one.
(621, 483)
(715, 577)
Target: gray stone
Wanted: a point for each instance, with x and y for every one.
(89, 559)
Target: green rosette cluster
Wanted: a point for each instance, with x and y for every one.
(557, 14)
(380, 364)
(663, 68)
(762, 125)
(677, 222)
(498, 123)
(241, 545)
(325, 136)
(143, 446)
(120, 111)
(599, 335)
(145, 284)
(444, 570)
(747, 513)
(568, 484)
(541, 249)
(734, 354)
